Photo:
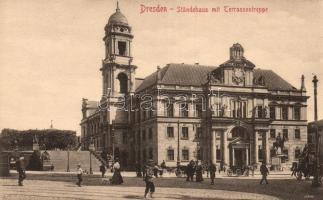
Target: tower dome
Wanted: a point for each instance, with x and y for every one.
(118, 17)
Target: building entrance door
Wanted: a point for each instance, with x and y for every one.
(238, 157)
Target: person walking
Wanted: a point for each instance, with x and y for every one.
(264, 172)
(294, 169)
(190, 171)
(79, 173)
(102, 170)
(20, 166)
(116, 177)
(212, 169)
(149, 176)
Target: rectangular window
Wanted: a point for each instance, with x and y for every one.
(273, 133)
(150, 134)
(170, 132)
(297, 134)
(122, 48)
(285, 134)
(185, 154)
(285, 113)
(169, 108)
(272, 111)
(218, 155)
(297, 113)
(260, 112)
(185, 133)
(183, 109)
(198, 132)
(198, 110)
(170, 154)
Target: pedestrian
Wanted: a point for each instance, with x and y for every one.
(116, 177)
(198, 170)
(190, 171)
(163, 168)
(79, 173)
(20, 167)
(294, 169)
(102, 169)
(149, 176)
(264, 172)
(138, 169)
(212, 169)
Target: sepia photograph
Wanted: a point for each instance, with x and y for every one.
(161, 99)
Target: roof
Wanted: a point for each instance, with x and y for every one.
(272, 80)
(118, 17)
(319, 123)
(178, 74)
(196, 75)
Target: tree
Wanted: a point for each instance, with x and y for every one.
(47, 138)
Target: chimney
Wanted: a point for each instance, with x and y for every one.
(303, 83)
(158, 74)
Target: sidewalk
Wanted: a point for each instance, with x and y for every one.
(257, 175)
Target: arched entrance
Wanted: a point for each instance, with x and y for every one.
(239, 145)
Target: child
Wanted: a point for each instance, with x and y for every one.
(150, 186)
(79, 175)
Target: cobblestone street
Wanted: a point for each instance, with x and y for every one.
(63, 187)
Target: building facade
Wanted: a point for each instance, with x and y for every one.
(231, 114)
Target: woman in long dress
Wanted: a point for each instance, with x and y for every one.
(116, 177)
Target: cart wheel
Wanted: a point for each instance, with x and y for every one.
(229, 172)
(238, 172)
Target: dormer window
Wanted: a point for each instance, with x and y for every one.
(122, 48)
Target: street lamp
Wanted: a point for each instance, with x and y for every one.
(316, 181)
(112, 134)
(178, 159)
(91, 148)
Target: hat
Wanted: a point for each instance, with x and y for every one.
(21, 158)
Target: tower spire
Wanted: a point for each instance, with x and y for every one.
(118, 9)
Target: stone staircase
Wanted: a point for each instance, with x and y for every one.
(60, 160)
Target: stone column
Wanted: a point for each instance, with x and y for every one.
(225, 152)
(247, 156)
(266, 146)
(256, 147)
(233, 158)
(213, 148)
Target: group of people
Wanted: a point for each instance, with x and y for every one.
(195, 167)
(116, 177)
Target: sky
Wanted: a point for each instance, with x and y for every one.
(51, 51)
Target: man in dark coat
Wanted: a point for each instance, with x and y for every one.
(190, 171)
(264, 172)
(20, 166)
(212, 169)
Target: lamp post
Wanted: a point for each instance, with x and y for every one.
(91, 148)
(178, 159)
(68, 159)
(316, 181)
(112, 134)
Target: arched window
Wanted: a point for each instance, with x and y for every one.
(123, 82)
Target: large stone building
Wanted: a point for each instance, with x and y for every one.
(230, 113)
